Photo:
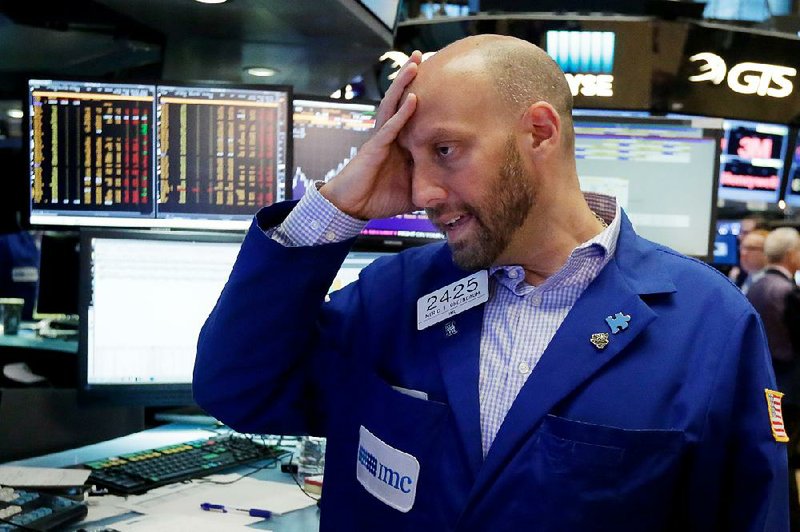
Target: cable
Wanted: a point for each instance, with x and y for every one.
(296, 481)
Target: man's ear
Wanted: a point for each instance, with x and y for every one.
(542, 125)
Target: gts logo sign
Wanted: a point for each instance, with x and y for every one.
(761, 79)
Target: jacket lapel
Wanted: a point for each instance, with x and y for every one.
(570, 358)
(456, 341)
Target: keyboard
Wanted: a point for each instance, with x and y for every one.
(35, 510)
(136, 473)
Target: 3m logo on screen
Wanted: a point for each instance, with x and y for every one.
(761, 79)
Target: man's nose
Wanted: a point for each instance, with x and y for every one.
(426, 188)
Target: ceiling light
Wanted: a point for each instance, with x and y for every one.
(211, 1)
(15, 113)
(261, 72)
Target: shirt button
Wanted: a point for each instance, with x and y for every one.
(536, 300)
(524, 368)
(315, 225)
(513, 274)
(330, 236)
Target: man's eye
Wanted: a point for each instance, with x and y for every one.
(444, 151)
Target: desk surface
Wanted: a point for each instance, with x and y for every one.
(28, 339)
(297, 521)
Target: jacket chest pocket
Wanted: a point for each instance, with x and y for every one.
(399, 455)
(602, 477)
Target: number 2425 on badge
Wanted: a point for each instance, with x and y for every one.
(452, 299)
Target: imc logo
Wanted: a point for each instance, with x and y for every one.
(388, 474)
(587, 59)
(385, 474)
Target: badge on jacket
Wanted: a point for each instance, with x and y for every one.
(387, 473)
(453, 299)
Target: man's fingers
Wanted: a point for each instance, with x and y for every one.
(388, 133)
(391, 99)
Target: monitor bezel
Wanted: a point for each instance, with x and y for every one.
(129, 394)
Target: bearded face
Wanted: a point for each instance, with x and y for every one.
(508, 199)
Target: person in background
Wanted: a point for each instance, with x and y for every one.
(19, 268)
(773, 295)
(748, 224)
(751, 258)
(544, 369)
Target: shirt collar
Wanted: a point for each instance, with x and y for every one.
(607, 208)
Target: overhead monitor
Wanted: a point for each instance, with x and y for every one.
(90, 153)
(144, 297)
(176, 156)
(752, 161)
(327, 135)
(662, 171)
(222, 153)
(792, 195)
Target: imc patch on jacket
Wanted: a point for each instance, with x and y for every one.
(776, 415)
(385, 472)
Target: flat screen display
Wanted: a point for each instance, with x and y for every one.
(751, 161)
(662, 171)
(172, 156)
(327, 135)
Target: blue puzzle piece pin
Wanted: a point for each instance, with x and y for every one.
(618, 322)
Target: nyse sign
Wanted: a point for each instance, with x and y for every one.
(600, 85)
(745, 78)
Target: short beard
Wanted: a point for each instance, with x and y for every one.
(510, 198)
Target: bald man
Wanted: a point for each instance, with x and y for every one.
(546, 368)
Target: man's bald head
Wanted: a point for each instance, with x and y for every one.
(521, 72)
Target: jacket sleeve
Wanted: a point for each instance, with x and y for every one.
(740, 467)
(261, 353)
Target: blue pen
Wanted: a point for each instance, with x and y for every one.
(253, 512)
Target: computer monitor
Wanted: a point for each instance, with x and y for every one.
(662, 171)
(792, 189)
(144, 297)
(59, 267)
(327, 135)
(155, 156)
(90, 153)
(221, 153)
(752, 161)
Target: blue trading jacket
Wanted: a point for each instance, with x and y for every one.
(666, 428)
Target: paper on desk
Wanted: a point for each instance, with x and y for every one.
(180, 523)
(41, 477)
(277, 497)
